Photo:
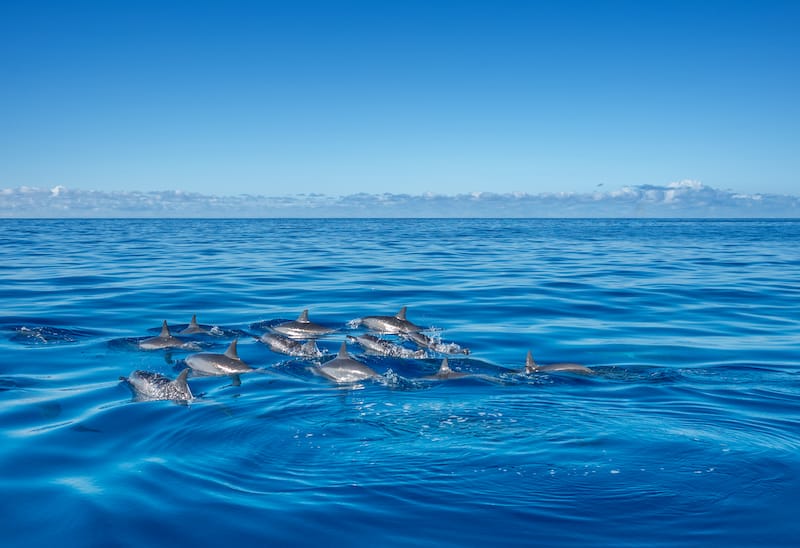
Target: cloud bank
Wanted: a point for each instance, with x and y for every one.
(679, 199)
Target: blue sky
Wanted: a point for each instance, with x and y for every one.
(342, 97)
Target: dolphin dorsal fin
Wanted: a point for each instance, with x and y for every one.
(181, 380)
(445, 367)
(310, 347)
(530, 365)
(402, 314)
(165, 334)
(194, 323)
(231, 351)
(343, 351)
(303, 317)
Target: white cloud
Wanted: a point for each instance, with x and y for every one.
(679, 199)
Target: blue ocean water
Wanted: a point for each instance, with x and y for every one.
(687, 435)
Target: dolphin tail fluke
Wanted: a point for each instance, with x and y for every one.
(231, 351)
(530, 365)
(303, 317)
(402, 314)
(165, 334)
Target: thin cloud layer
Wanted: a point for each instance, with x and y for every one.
(679, 199)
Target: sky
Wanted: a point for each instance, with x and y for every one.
(403, 98)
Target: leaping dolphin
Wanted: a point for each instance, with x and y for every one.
(344, 369)
(147, 386)
(302, 328)
(164, 340)
(285, 345)
(382, 347)
(228, 363)
(391, 324)
(532, 367)
(446, 373)
(194, 328)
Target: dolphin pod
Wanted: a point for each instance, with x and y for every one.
(286, 338)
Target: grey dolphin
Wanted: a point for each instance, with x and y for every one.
(382, 347)
(194, 328)
(446, 373)
(345, 369)
(285, 345)
(147, 386)
(391, 324)
(424, 341)
(302, 328)
(164, 340)
(209, 363)
(532, 367)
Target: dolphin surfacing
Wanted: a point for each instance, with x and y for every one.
(344, 369)
(382, 347)
(284, 345)
(302, 328)
(391, 324)
(149, 386)
(532, 367)
(445, 373)
(208, 363)
(194, 328)
(165, 339)
(424, 341)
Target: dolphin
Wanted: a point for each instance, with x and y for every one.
(531, 367)
(302, 328)
(446, 373)
(382, 347)
(345, 369)
(164, 340)
(228, 363)
(147, 386)
(285, 345)
(194, 328)
(424, 341)
(391, 324)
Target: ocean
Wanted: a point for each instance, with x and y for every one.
(686, 434)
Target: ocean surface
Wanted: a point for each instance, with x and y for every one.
(687, 433)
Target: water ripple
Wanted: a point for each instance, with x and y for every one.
(685, 434)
